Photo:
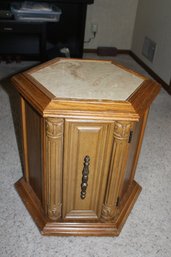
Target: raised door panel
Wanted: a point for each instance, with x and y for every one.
(85, 138)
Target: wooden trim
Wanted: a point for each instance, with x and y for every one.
(31, 202)
(91, 110)
(127, 205)
(124, 51)
(48, 106)
(44, 172)
(54, 152)
(35, 96)
(48, 227)
(94, 51)
(139, 145)
(143, 97)
(151, 72)
(24, 136)
(117, 168)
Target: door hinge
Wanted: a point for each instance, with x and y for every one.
(117, 201)
(130, 136)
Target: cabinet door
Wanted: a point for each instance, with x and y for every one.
(85, 138)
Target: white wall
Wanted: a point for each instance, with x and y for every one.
(153, 19)
(115, 19)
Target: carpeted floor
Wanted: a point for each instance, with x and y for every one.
(147, 232)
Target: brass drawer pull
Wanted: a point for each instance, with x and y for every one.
(85, 177)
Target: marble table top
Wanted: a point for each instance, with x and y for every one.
(86, 79)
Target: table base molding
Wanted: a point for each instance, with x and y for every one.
(50, 228)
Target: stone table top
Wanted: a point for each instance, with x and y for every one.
(87, 79)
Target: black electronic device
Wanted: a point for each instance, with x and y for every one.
(6, 14)
(44, 40)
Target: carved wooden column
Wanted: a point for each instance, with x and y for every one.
(117, 169)
(54, 153)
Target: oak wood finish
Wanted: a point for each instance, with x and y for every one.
(24, 139)
(47, 227)
(117, 169)
(32, 147)
(54, 155)
(82, 138)
(58, 137)
(134, 151)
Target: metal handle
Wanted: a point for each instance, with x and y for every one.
(85, 177)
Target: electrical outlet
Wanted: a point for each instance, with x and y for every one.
(94, 27)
